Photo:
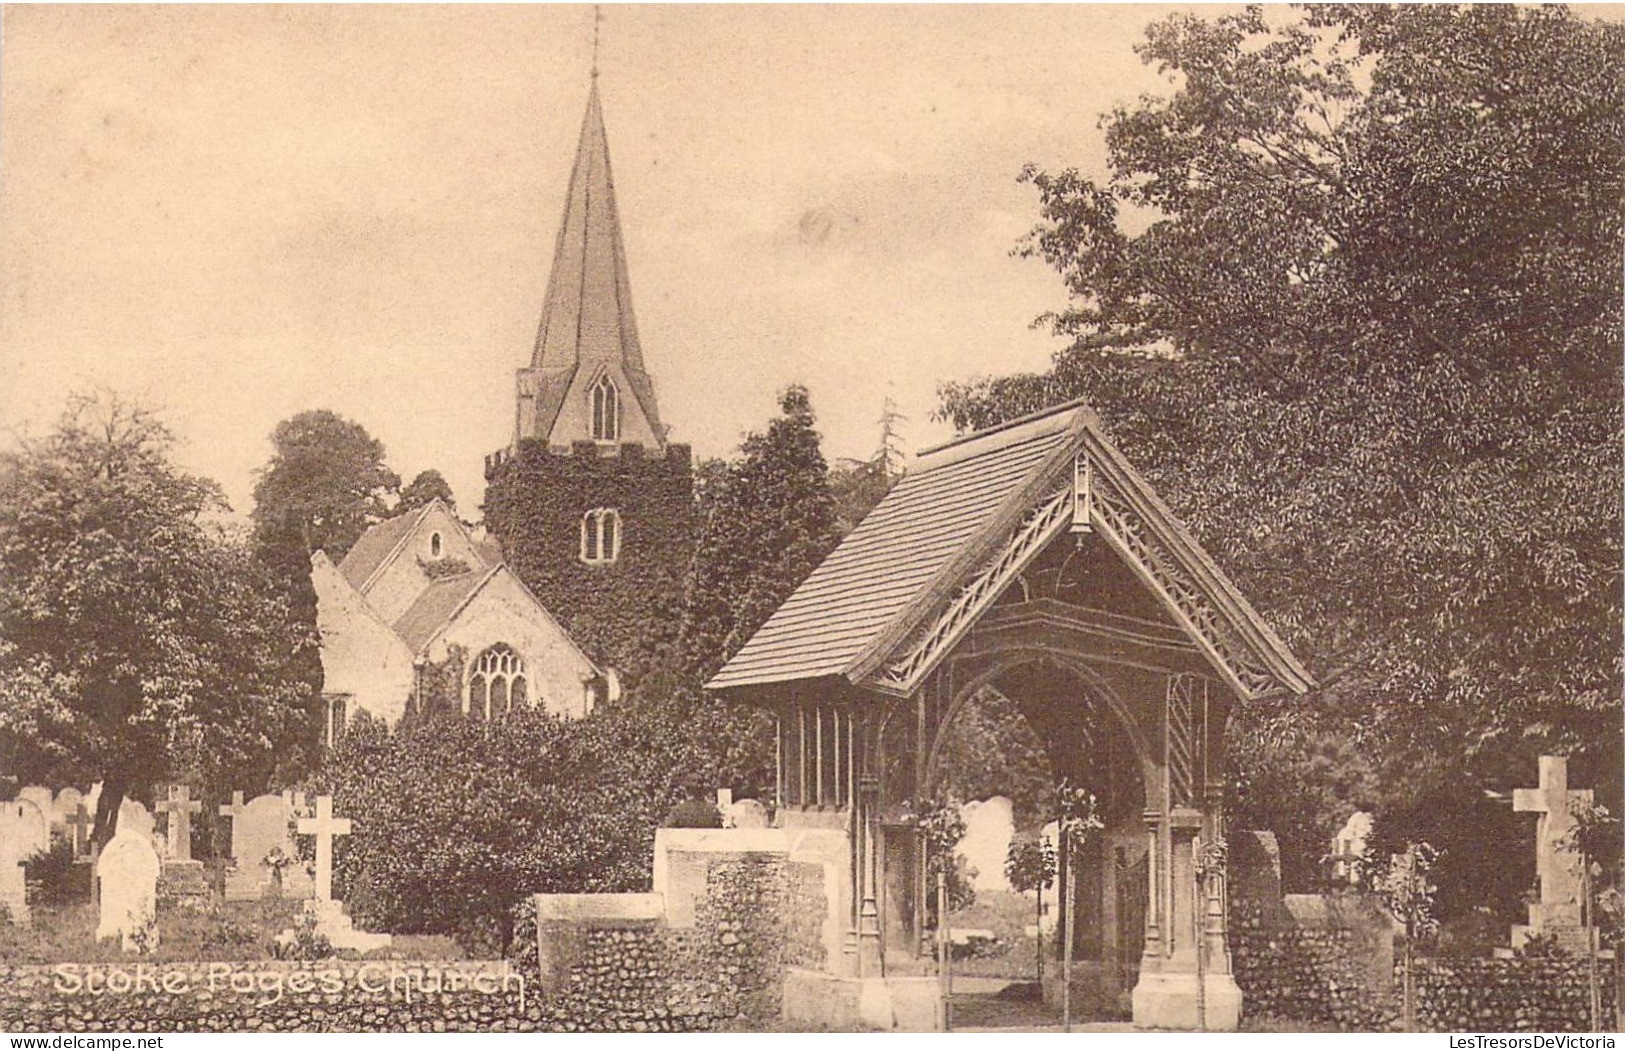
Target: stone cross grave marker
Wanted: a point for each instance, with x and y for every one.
(62, 813)
(79, 824)
(128, 898)
(325, 827)
(1557, 865)
(180, 806)
(234, 810)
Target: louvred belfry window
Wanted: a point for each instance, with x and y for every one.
(606, 410)
(600, 536)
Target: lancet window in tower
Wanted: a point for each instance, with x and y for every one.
(496, 684)
(606, 410)
(600, 536)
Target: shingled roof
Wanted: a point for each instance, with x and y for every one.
(943, 524)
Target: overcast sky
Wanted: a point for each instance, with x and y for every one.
(237, 213)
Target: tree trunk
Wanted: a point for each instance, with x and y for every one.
(1038, 939)
(114, 789)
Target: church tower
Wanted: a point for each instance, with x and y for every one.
(594, 508)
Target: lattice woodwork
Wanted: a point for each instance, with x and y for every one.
(945, 630)
(1181, 740)
(1117, 518)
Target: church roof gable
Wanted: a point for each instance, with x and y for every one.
(373, 548)
(439, 601)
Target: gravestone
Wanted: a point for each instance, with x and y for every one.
(13, 886)
(135, 818)
(1348, 848)
(40, 797)
(62, 811)
(27, 826)
(331, 922)
(179, 808)
(259, 828)
(128, 896)
(989, 827)
(80, 823)
(1557, 864)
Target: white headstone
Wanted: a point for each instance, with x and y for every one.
(41, 798)
(1348, 847)
(989, 827)
(13, 888)
(129, 900)
(25, 823)
(747, 813)
(257, 829)
(135, 818)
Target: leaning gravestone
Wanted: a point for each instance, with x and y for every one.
(128, 898)
(258, 829)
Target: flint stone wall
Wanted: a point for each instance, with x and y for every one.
(619, 967)
(269, 996)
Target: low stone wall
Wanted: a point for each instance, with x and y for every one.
(1527, 995)
(610, 963)
(269, 996)
(1331, 972)
(1332, 960)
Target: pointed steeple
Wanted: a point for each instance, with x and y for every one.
(588, 330)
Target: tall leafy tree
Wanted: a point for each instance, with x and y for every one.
(768, 522)
(137, 640)
(426, 487)
(1351, 294)
(325, 484)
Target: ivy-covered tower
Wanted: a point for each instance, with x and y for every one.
(594, 508)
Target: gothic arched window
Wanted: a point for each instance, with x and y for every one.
(606, 410)
(600, 536)
(496, 683)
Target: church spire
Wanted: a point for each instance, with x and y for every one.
(588, 330)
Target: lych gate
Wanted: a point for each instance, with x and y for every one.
(1030, 559)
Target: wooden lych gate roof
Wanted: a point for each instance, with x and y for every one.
(891, 601)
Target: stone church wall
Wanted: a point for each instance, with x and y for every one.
(534, 502)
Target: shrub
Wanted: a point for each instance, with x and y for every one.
(53, 871)
(693, 813)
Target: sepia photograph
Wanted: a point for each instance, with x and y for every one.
(1079, 518)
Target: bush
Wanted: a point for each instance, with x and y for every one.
(53, 871)
(693, 813)
(456, 822)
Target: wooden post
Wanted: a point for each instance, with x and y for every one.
(945, 957)
(1198, 920)
(1589, 921)
(818, 760)
(1069, 901)
(1038, 932)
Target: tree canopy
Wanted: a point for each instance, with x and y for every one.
(138, 641)
(325, 484)
(1350, 294)
(428, 486)
(768, 519)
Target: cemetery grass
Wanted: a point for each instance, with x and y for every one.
(1008, 916)
(228, 931)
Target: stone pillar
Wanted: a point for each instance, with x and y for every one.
(869, 964)
(1174, 990)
